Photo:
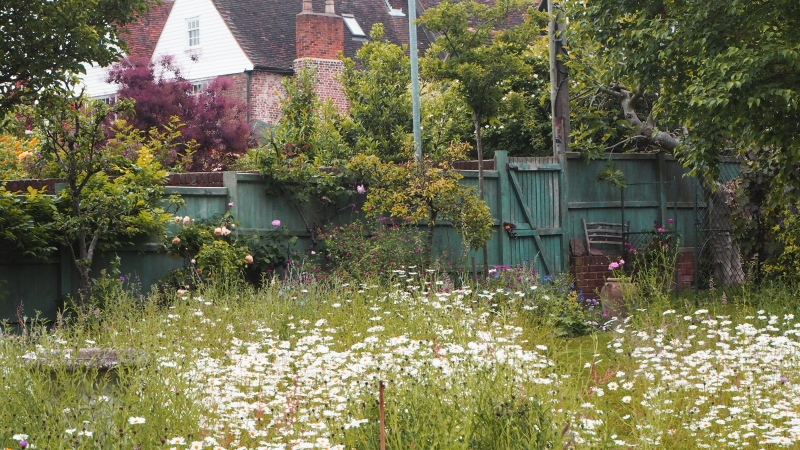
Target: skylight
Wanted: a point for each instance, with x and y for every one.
(353, 26)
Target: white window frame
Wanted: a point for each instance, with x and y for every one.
(193, 32)
(353, 26)
(198, 86)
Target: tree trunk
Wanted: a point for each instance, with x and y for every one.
(479, 149)
(727, 263)
(431, 229)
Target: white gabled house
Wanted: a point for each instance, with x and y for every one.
(255, 43)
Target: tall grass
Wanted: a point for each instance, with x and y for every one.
(297, 364)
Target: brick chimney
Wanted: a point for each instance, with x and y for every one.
(319, 35)
(319, 41)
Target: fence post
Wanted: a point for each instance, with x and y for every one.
(229, 181)
(564, 220)
(504, 204)
(662, 192)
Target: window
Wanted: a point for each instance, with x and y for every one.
(353, 26)
(198, 86)
(108, 100)
(194, 31)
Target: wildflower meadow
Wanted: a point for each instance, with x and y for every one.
(415, 360)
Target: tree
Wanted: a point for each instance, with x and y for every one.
(424, 193)
(212, 120)
(484, 52)
(380, 99)
(45, 40)
(697, 78)
(109, 199)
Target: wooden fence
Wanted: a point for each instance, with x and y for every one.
(540, 200)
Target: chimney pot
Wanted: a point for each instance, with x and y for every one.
(307, 7)
(329, 7)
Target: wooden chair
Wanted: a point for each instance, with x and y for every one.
(603, 233)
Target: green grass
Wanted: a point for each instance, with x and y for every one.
(299, 365)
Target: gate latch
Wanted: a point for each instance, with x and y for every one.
(511, 229)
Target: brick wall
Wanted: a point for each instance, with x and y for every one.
(319, 35)
(590, 272)
(685, 270)
(328, 87)
(195, 179)
(266, 92)
(22, 185)
(239, 86)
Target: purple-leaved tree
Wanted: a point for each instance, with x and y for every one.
(214, 118)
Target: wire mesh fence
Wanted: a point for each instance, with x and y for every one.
(718, 262)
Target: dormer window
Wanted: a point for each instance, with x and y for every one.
(353, 26)
(193, 25)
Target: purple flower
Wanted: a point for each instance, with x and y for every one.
(276, 223)
(784, 380)
(360, 189)
(23, 443)
(121, 278)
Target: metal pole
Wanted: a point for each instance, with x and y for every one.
(412, 44)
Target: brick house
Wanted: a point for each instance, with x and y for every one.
(255, 43)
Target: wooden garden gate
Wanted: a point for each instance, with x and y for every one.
(532, 212)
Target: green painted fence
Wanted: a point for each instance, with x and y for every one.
(541, 200)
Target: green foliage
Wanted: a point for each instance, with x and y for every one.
(53, 39)
(484, 52)
(555, 303)
(613, 175)
(423, 193)
(212, 250)
(305, 125)
(380, 98)
(722, 76)
(108, 286)
(109, 200)
(304, 141)
(375, 248)
(26, 223)
(653, 264)
(166, 146)
(785, 265)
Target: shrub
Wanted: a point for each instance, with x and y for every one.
(374, 248)
(214, 120)
(211, 250)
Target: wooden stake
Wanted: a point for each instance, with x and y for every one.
(382, 417)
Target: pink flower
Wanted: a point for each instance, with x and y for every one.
(613, 265)
(248, 259)
(621, 262)
(186, 220)
(176, 240)
(276, 223)
(360, 189)
(671, 220)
